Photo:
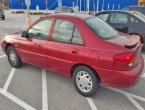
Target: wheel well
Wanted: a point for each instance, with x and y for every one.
(8, 44)
(77, 65)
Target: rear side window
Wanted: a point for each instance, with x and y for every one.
(101, 28)
(119, 18)
(66, 32)
(104, 16)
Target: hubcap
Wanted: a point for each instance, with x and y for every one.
(12, 57)
(84, 81)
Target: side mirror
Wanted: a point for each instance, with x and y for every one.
(25, 34)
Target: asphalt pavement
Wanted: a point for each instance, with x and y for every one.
(33, 88)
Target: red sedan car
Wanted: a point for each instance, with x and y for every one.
(80, 46)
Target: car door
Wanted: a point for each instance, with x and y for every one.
(66, 47)
(34, 47)
(119, 21)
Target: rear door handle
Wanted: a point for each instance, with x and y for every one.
(75, 51)
(39, 45)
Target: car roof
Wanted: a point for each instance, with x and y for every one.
(120, 11)
(136, 6)
(114, 11)
(68, 15)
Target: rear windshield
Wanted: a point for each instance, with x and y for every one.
(140, 9)
(101, 28)
(139, 15)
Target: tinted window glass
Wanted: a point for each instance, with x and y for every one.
(140, 16)
(66, 32)
(41, 29)
(63, 31)
(133, 20)
(104, 17)
(77, 38)
(140, 9)
(119, 18)
(101, 28)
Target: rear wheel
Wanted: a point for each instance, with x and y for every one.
(3, 17)
(85, 81)
(13, 57)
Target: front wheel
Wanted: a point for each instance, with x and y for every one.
(13, 57)
(85, 81)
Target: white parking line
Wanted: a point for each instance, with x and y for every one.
(135, 103)
(16, 100)
(91, 103)
(143, 75)
(5, 88)
(126, 93)
(44, 91)
(2, 56)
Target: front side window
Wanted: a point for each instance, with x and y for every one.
(101, 28)
(40, 30)
(66, 32)
(119, 18)
(104, 17)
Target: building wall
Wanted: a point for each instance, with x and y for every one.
(52, 4)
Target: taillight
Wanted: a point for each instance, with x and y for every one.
(125, 57)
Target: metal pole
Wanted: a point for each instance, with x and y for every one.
(103, 5)
(80, 5)
(22, 6)
(93, 5)
(118, 7)
(46, 2)
(11, 4)
(113, 6)
(97, 5)
(108, 6)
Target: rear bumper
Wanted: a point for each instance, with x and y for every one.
(121, 79)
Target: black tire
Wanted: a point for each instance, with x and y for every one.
(13, 57)
(3, 17)
(94, 79)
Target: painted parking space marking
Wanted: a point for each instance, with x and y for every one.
(5, 88)
(143, 75)
(130, 97)
(126, 93)
(2, 56)
(16, 100)
(91, 103)
(14, 26)
(135, 103)
(44, 91)
(12, 97)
